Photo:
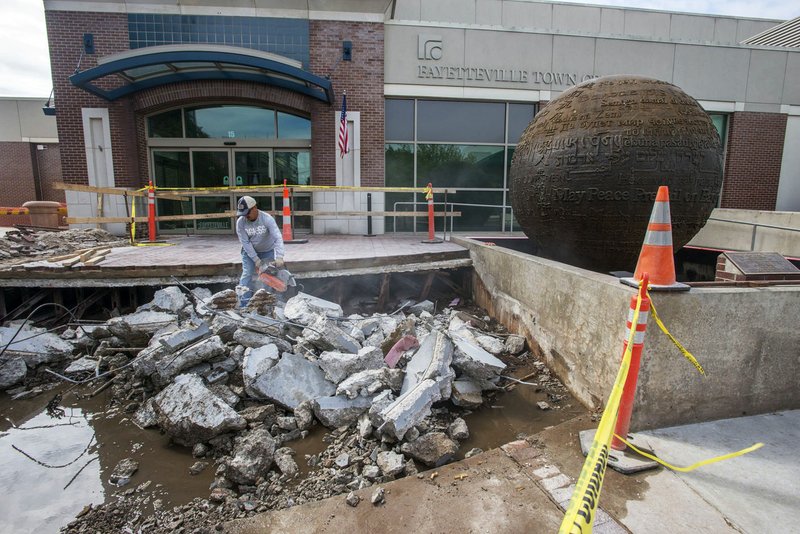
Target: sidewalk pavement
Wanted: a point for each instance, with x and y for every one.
(525, 485)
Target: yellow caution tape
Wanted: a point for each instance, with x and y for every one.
(583, 504)
(133, 227)
(686, 353)
(695, 465)
(428, 192)
(226, 188)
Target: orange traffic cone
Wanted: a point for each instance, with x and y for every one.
(657, 258)
(287, 219)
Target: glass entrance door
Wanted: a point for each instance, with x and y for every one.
(231, 168)
(254, 167)
(211, 168)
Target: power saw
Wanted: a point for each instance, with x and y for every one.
(278, 279)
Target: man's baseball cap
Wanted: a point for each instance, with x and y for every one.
(245, 204)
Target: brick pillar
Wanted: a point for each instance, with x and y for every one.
(753, 162)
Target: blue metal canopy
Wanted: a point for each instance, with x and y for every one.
(153, 66)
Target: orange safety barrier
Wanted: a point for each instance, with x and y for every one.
(287, 214)
(429, 198)
(626, 401)
(13, 211)
(151, 211)
(287, 218)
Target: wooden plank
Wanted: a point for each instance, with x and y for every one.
(95, 260)
(231, 214)
(71, 262)
(383, 294)
(426, 288)
(277, 189)
(117, 191)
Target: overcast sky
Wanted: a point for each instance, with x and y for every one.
(25, 64)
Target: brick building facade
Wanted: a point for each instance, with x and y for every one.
(396, 46)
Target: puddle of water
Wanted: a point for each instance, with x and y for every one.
(515, 413)
(35, 499)
(34, 496)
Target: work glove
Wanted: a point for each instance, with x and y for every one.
(279, 263)
(258, 265)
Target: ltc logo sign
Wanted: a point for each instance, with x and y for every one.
(429, 46)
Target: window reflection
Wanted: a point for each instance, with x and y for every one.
(228, 122)
(471, 166)
(234, 122)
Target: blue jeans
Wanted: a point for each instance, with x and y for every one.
(248, 271)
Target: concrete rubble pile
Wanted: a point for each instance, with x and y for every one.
(238, 386)
(27, 243)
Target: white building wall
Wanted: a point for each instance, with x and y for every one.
(789, 185)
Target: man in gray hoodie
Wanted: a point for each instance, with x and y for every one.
(261, 240)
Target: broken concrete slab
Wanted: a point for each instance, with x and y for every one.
(257, 362)
(466, 394)
(334, 412)
(382, 400)
(369, 382)
(491, 345)
(137, 328)
(45, 347)
(424, 306)
(251, 339)
(340, 365)
(291, 381)
(475, 362)
(169, 299)
(13, 370)
(410, 408)
(304, 414)
(190, 413)
(431, 361)
(262, 324)
(433, 449)
(391, 463)
(145, 416)
(184, 337)
(305, 309)
(225, 393)
(224, 326)
(458, 429)
(264, 413)
(170, 365)
(285, 462)
(223, 300)
(82, 365)
(515, 344)
(123, 471)
(252, 457)
(326, 336)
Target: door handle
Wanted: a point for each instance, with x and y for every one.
(225, 180)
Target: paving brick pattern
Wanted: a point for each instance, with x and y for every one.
(225, 250)
(535, 464)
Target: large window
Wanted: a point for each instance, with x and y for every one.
(462, 145)
(228, 122)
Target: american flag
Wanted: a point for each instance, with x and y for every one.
(343, 127)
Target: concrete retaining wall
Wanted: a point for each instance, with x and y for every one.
(735, 236)
(747, 339)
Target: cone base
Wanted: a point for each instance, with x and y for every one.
(626, 462)
(294, 241)
(432, 241)
(677, 286)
